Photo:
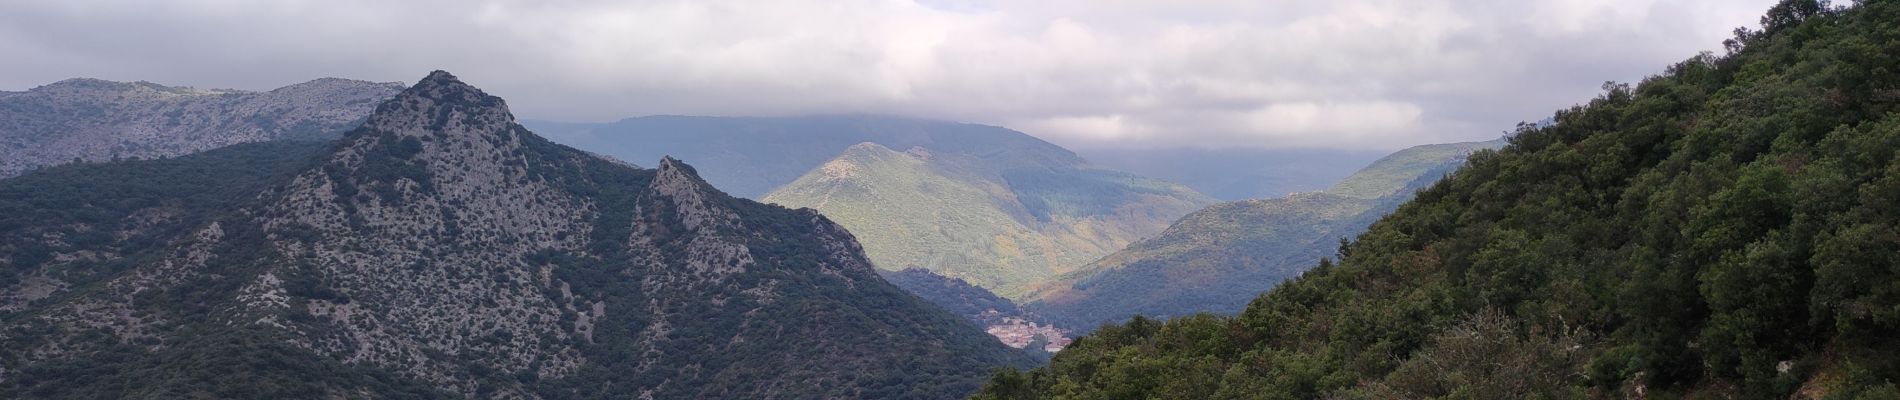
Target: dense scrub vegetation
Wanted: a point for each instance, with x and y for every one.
(957, 296)
(128, 207)
(1215, 259)
(1724, 229)
(78, 225)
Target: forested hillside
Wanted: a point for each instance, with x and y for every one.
(91, 217)
(1216, 258)
(1725, 229)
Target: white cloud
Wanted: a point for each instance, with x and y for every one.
(1097, 128)
(1354, 74)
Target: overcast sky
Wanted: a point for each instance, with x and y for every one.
(1372, 74)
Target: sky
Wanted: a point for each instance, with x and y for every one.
(1347, 74)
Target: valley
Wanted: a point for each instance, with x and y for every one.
(932, 200)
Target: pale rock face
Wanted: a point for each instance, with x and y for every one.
(684, 191)
(95, 120)
(434, 260)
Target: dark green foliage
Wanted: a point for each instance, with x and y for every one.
(1486, 357)
(212, 363)
(1723, 230)
(1216, 258)
(87, 205)
(208, 360)
(389, 164)
(958, 296)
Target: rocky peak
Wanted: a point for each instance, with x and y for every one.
(679, 183)
(440, 104)
(428, 216)
(443, 137)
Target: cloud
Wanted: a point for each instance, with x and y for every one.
(1374, 74)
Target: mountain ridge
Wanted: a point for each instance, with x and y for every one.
(98, 120)
(999, 221)
(441, 250)
(1234, 174)
(751, 156)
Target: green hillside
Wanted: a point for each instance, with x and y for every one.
(1725, 229)
(1393, 173)
(1003, 220)
(1217, 258)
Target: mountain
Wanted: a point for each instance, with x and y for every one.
(1003, 218)
(97, 120)
(1395, 173)
(441, 250)
(1237, 174)
(1215, 259)
(1724, 230)
(751, 156)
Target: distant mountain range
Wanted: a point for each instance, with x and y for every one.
(442, 251)
(1002, 217)
(996, 207)
(1217, 258)
(1237, 173)
(97, 120)
(750, 156)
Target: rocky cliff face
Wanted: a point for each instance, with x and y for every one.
(442, 248)
(97, 120)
